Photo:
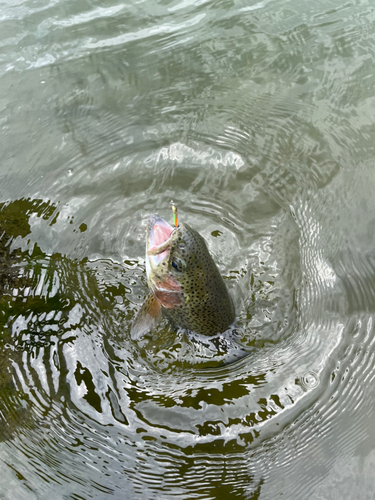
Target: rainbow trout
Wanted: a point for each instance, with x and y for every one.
(185, 284)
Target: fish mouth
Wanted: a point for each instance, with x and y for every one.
(162, 284)
(158, 240)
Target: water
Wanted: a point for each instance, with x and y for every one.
(257, 119)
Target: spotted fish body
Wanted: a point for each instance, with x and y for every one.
(185, 285)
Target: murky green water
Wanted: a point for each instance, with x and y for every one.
(257, 119)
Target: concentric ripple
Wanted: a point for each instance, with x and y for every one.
(257, 119)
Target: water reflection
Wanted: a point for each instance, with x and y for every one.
(68, 362)
(73, 382)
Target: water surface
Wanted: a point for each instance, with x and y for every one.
(257, 119)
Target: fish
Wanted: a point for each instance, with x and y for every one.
(185, 285)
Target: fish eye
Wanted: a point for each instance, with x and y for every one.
(178, 264)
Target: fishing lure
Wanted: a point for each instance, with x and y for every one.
(174, 210)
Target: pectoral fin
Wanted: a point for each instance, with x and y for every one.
(147, 318)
